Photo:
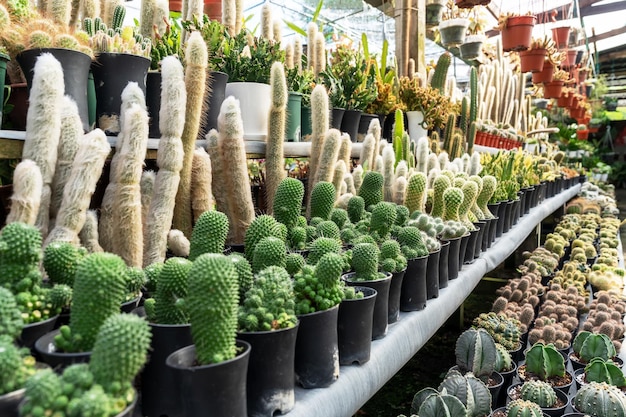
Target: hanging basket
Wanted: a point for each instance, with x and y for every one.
(453, 31)
(545, 75)
(552, 89)
(472, 47)
(532, 60)
(468, 4)
(517, 33)
(570, 58)
(566, 99)
(434, 10)
(560, 36)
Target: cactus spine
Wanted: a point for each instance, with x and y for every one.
(195, 83)
(169, 160)
(218, 183)
(146, 186)
(93, 149)
(266, 22)
(233, 155)
(209, 234)
(338, 176)
(201, 197)
(368, 150)
(43, 127)
(320, 54)
(26, 197)
(274, 157)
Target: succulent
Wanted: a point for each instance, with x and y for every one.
(262, 226)
(539, 392)
(269, 251)
(523, 408)
(11, 322)
(60, 260)
(319, 287)
(209, 234)
(545, 362)
(504, 361)
(589, 345)
(411, 242)
(600, 399)
(371, 188)
(288, 201)
(172, 288)
(383, 218)
(16, 365)
(391, 257)
(429, 402)
(475, 352)
(365, 262)
(603, 370)
(549, 331)
(504, 330)
(322, 199)
(472, 391)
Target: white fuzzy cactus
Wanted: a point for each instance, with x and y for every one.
(161, 16)
(201, 179)
(43, 127)
(274, 155)
(178, 243)
(399, 190)
(329, 156)
(90, 8)
(229, 16)
(368, 152)
(338, 175)
(218, 173)
(389, 161)
(357, 177)
(26, 197)
(342, 201)
(147, 17)
(93, 149)
(267, 28)
(349, 181)
(146, 185)
(88, 235)
(345, 151)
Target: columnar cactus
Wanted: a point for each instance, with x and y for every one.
(60, 261)
(27, 189)
(383, 217)
(365, 262)
(201, 183)
(372, 188)
(322, 199)
(489, 187)
(269, 251)
(452, 200)
(274, 157)
(339, 174)
(209, 234)
(288, 202)
(475, 352)
(440, 185)
(416, 192)
(212, 303)
(319, 126)
(601, 399)
(328, 156)
(470, 190)
(262, 226)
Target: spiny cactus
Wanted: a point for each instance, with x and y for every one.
(523, 408)
(60, 261)
(452, 200)
(20, 254)
(11, 322)
(171, 290)
(321, 246)
(365, 262)
(212, 303)
(416, 192)
(269, 251)
(201, 183)
(383, 218)
(601, 399)
(504, 330)
(475, 352)
(440, 185)
(319, 126)
(288, 201)
(539, 392)
(411, 242)
(504, 362)
(319, 288)
(209, 234)
(262, 226)
(322, 199)
(372, 188)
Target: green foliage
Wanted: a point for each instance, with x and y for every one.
(11, 322)
(166, 44)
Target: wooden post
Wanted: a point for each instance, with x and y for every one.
(410, 17)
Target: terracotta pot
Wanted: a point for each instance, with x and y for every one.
(545, 75)
(570, 58)
(517, 33)
(565, 100)
(582, 134)
(213, 9)
(560, 36)
(176, 5)
(532, 60)
(552, 89)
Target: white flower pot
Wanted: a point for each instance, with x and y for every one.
(415, 119)
(254, 100)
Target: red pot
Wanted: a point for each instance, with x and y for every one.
(582, 134)
(552, 89)
(570, 58)
(517, 33)
(565, 100)
(532, 60)
(213, 9)
(545, 75)
(577, 113)
(582, 75)
(560, 36)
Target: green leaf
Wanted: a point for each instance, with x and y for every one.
(318, 9)
(295, 28)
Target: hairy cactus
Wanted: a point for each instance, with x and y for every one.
(440, 185)
(539, 392)
(212, 303)
(274, 160)
(452, 200)
(319, 126)
(545, 361)
(209, 234)
(416, 192)
(523, 408)
(475, 352)
(600, 399)
(27, 189)
(589, 345)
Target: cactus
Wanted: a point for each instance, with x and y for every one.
(322, 199)
(452, 200)
(27, 191)
(489, 187)
(539, 392)
(60, 261)
(20, 254)
(269, 251)
(147, 18)
(262, 226)
(545, 361)
(319, 126)
(589, 345)
(274, 158)
(523, 408)
(504, 330)
(470, 190)
(383, 217)
(41, 389)
(269, 304)
(411, 242)
(470, 390)
(201, 183)
(171, 290)
(15, 366)
(355, 209)
(391, 258)
(318, 288)
(372, 188)
(11, 322)
(294, 262)
(475, 352)
(212, 303)
(416, 192)
(321, 246)
(601, 370)
(441, 72)
(389, 174)
(365, 262)
(441, 184)
(504, 361)
(119, 352)
(288, 201)
(600, 399)
(428, 402)
(209, 234)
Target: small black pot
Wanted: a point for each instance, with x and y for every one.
(497, 387)
(32, 332)
(507, 379)
(45, 350)
(395, 290)
(270, 382)
(317, 349)
(364, 122)
(509, 213)
(502, 209)
(432, 275)
(220, 387)
(153, 102)
(517, 355)
(552, 412)
(215, 93)
(453, 257)
(485, 242)
(463, 248)
(414, 292)
(9, 403)
(472, 242)
(482, 227)
(354, 327)
(336, 117)
(130, 305)
(443, 264)
(381, 306)
(350, 123)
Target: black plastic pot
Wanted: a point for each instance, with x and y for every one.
(432, 275)
(159, 389)
(4, 58)
(9, 403)
(213, 98)
(501, 213)
(45, 350)
(509, 213)
(468, 255)
(414, 292)
(220, 387)
(354, 327)
(482, 227)
(350, 123)
(395, 290)
(463, 248)
(364, 122)
(112, 72)
(485, 242)
(453, 257)
(32, 332)
(443, 264)
(317, 349)
(336, 117)
(496, 387)
(75, 66)
(270, 382)
(507, 379)
(381, 306)
(153, 102)
(130, 305)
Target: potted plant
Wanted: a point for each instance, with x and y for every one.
(545, 363)
(434, 12)
(516, 31)
(552, 401)
(560, 35)
(471, 48)
(601, 370)
(453, 25)
(597, 398)
(588, 345)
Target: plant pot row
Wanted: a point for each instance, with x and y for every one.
(496, 141)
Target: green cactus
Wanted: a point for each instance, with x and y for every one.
(489, 187)
(475, 352)
(59, 297)
(99, 289)
(340, 217)
(391, 257)
(212, 303)
(322, 199)
(441, 72)
(589, 345)
(383, 218)
(297, 237)
(600, 399)
(365, 262)
(294, 263)
(429, 402)
(319, 288)
(244, 272)
(20, 254)
(523, 408)
(504, 361)
(328, 228)
(440, 185)
(355, 209)
(152, 272)
(42, 389)
(372, 188)
(447, 134)
(119, 352)
(545, 361)
(416, 192)
(208, 234)
(470, 190)
(171, 291)
(452, 200)
(320, 247)
(470, 390)
(11, 322)
(269, 304)
(504, 330)
(262, 226)
(288, 201)
(602, 370)
(118, 16)
(539, 392)
(411, 242)
(269, 251)
(15, 366)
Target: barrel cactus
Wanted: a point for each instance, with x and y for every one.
(473, 392)
(539, 392)
(600, 370)
(504, 330)
(429, 402)
(589, 345)
(600, 399)
(523, 408)
(545, 361)
(475, 352)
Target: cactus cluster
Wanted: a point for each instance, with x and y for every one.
(411, 242)
(504, 330)
(391, 257)
(319, 287)
(171, 290)
(550, 331)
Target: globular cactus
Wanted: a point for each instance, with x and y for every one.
(294, 263)
(212, 303)
(391, 258)
(27, 189)
(545, 361)
(355, 209)
(429, 402)
(600, 399)
(504, 361)
(365, 262)
(452, 200)
(539, 392)
(169, 160)
(523, 408)
(171, 290)
(20, 254)
(440, 185)
(321, 246)
(470, 390)
(274, 156)
(504, 330)
(322, 199)
(119, 352)
(60, 261)
(600, 370)
(209, 234)
(411, 242)
(287, 202)
(262, 226)
(589, 345)
(372, 188)
(475, 352)
(319, 288)
(383, 218)
(416, 192)
(269, 251)
(11, 322)
(41, 389)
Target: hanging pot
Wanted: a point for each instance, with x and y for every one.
(112, 72)
(517, 33)
(219, 387)
(452, 31)
(255, 100)
(270, 381)
(350, 123)
(75, 66)
(472, 47)
(432, 275)
(414, 293)
(443, 264)
(434, 11)
(317, 350)
(545, 75)
(560, 36)
(552, 89)
(565, 100)
(214, 95)
(395, 290)
(532, 60)
(381, 306)
(570, 58)
(293, 128)
(354, 327)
